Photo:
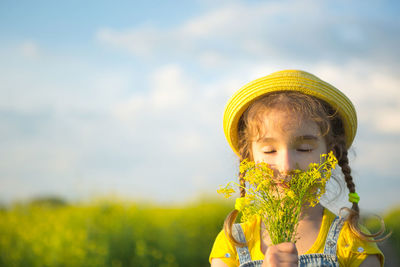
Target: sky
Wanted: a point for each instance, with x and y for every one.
(126, 97)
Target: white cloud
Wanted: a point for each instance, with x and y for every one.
(377, 156)
(168, 91)
(60, 84)
(234, 25)
(143, 41)
(212, 60)
(217, 23)
(170, 88)
(388, 120)
(306, 31)
(29, 49)
(129, 109)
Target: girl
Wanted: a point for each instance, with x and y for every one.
(288, 119)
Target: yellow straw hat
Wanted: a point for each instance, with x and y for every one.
(287, 80)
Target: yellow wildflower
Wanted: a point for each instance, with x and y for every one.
(280, 207)
(291, 194)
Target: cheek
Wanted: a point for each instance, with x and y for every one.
(254, 154)
(259, 156)
(303, 164)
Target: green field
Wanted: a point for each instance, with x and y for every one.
(51, 232)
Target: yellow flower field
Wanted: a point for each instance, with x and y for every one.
(109, 233)
(120, 233)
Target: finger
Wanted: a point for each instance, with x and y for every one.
(276, 260)
(287, 247)
(275, 257)
(282, 257)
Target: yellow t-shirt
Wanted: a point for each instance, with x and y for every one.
(351, 251)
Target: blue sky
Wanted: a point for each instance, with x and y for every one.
(100, 97)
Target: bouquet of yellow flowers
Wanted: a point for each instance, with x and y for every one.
(279, 202)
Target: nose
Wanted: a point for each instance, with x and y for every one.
(286, 162)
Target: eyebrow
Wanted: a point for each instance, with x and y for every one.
(307, 137)
(297, 138)
(265, 140)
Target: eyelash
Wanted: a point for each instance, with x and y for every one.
(269, 152)
(304, 150)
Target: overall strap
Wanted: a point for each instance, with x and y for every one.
(243, 252)
(333, 236)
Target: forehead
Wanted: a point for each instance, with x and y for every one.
(282, 123)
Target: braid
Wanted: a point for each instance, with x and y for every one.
(354, 212)
(344, 164)
(354, 215)
(242, 185)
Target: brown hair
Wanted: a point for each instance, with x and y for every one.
(331, 127)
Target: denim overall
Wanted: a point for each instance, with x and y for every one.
(328, 258)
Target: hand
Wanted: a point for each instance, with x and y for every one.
(284, 254)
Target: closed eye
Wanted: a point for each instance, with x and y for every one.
(268, 149)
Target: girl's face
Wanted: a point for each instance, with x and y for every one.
(288, 142)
